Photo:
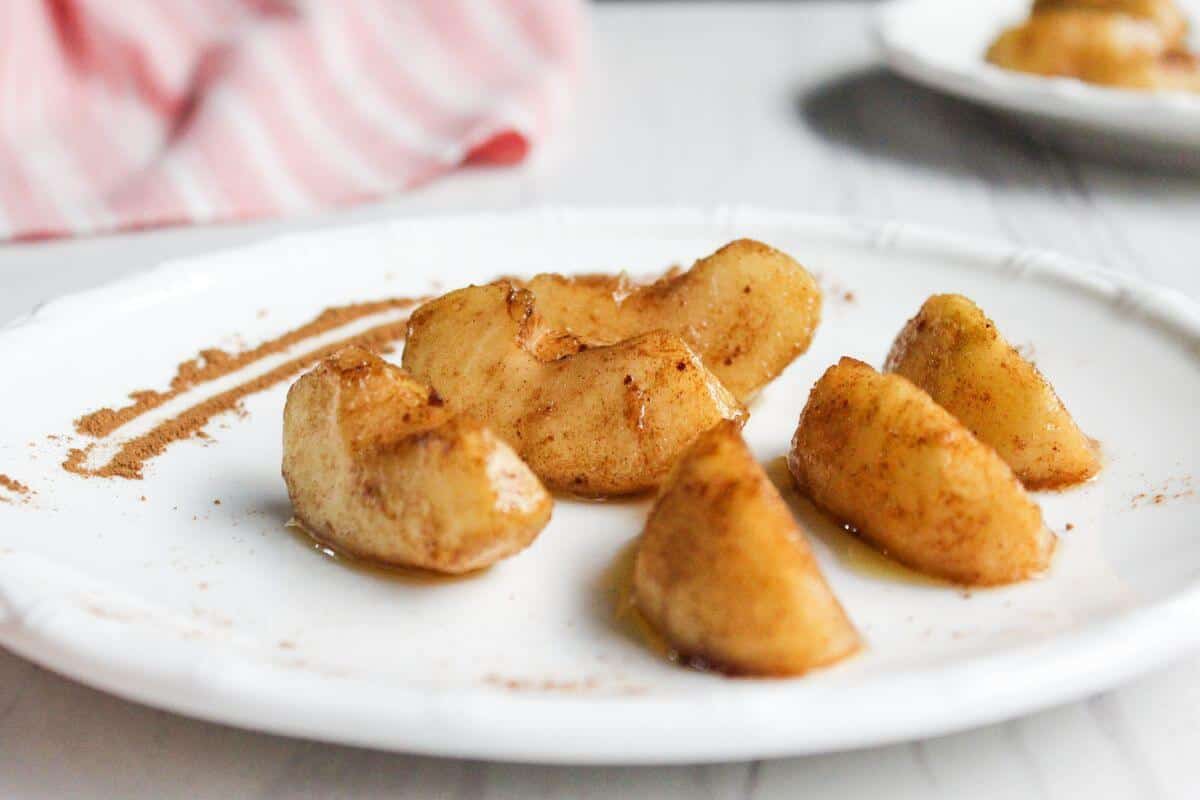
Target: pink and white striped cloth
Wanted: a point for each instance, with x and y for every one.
(118, 114)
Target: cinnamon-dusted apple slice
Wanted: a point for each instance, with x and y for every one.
(954, 352)
(377, 466)
(592, 420)
(879, 454)
(725, 574)
(748, 310)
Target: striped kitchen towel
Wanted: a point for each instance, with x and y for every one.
(119, 114)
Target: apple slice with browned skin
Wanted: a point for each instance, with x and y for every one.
(748, 310)
(592, 420)
(725, 573)
(955, 353)
(378, 467)
(878, 454)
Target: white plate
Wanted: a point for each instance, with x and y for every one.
(219, 612)
(941, 44)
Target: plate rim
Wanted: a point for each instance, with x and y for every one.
(42, 619)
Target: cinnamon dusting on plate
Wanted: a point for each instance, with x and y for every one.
(542, 685)
(1172, 489)
(213, 363)
(210, 365)
(13, 485)
(16, 487)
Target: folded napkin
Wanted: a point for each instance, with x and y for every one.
(118, 114)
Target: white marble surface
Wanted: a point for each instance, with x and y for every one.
(776, 104)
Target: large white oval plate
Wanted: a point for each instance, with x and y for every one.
(941, 44)
(151, 591)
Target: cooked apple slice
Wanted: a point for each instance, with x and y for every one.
(592, 420)
(1109, 49)
(748, 310)
(725, 574)
(1165, 14)
(377, 466)
(878, 454)
(954, 352)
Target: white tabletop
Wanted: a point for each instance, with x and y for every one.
(778, 104)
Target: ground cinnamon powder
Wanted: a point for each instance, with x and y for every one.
(13, 485)
(213, 363)
(210, 365)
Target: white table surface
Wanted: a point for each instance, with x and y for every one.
(778, 104)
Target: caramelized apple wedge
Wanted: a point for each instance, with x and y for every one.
(377, 466)
(591, 420)
(879, 454)
(725, 574)
(954, 352)
(748, 310)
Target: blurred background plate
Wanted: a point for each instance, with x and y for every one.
(941, 44)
